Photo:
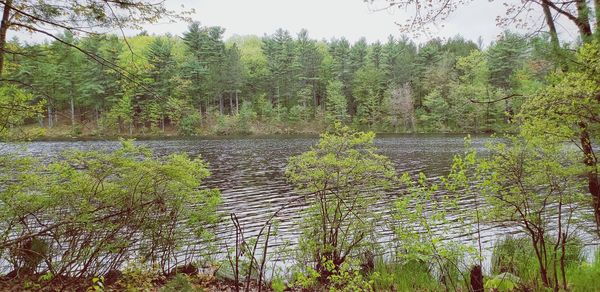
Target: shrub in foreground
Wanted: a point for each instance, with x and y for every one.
(90, 212)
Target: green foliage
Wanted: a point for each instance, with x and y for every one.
(505, 57)
(180, 283)
(516, 256)
(46, 277)
(97, 284)
(336, 102)
(245, 118)
(111, 203)
(306, 278)
(138, 278)
(263, 107)
(407, 276)
(188, 125)
(585, 275)
(422, 218)
(514, 177)
(569, 99)
(473, 109)
(16, 106)
(348, 278)
(225, 125)
(502, 282)
(341, 176)
(120, 115)
(368, 88)
(184, 116)
(436, 116)
(278, 285)
(524, 182)
(454, 86)
(298, 113)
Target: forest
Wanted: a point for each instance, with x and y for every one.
(372, 204)
(199, 83)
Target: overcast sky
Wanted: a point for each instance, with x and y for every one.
(326, 19)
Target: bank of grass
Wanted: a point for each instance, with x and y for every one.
(409, 276)
(510, 255)
(515, 255)
(585, 276)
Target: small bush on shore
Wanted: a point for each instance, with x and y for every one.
(91, 212)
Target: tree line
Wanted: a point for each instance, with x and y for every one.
(149, 83)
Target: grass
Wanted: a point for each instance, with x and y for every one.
(409, 276)
(585, 276)
(516, 255)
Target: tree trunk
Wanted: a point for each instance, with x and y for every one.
(97, 115)
(230, 103)
(237, 103)
(583, 19)
(4, 25)
(562, 260)
(201, 115)
(590, 160)
(597, 10)
(314, 92)
(477, 279)
(221, 104)
(551, 28)
(538, 246)
(50, 124)
(72, 113)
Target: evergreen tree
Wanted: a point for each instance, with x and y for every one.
(309, 60)
(337, 105)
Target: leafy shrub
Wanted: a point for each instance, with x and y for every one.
(348, 278)
(503, 282)
(278, 285)
(341, 176)
(96, 209)
(16, 106)
(139, 278)
(179, 283)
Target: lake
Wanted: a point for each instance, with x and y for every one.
(249, 171)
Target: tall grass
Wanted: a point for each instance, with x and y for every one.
(586, 276)
(408, 276)
(516, 255)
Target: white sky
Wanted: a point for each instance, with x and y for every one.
(326, 19)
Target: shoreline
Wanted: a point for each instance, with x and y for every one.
(169, 137)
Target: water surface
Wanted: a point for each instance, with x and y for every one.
(249, 171)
